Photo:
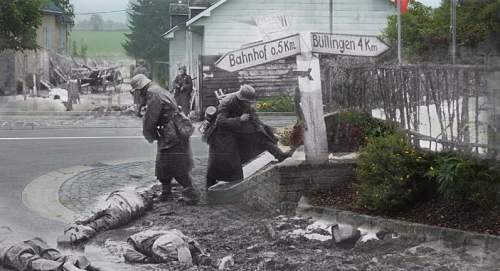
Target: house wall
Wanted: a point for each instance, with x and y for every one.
(177, 52)
(53, 35)
(230, 25)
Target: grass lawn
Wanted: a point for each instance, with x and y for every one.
(101, 43)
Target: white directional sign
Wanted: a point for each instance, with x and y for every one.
(350, 45)
(260, 53)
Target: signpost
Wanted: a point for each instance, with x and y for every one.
(350, 45)
(308, 69)
(260, 53)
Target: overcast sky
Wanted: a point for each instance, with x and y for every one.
(86, 6)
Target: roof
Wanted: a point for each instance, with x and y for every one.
(169, 33)
(206, 12)
(201, 3)
(50, 7)
(180, 9)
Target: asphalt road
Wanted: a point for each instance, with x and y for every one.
(28, 154)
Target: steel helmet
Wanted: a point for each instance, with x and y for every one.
(246, 93)
(139, 81)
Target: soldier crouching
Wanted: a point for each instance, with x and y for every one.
(238, 136)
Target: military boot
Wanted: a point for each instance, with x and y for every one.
(190, 195)
(166, 193)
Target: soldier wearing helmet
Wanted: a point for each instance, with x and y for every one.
(173, 158)
(140, 68)
(239, 136)
(183, 87)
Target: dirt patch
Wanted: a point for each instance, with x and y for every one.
(297, 243)
(466, 216)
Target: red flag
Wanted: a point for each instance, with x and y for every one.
(404, 5)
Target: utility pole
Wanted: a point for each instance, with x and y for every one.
(398, 6)
(331, 16)
(453, 28)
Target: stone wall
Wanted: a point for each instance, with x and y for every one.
(279, 188)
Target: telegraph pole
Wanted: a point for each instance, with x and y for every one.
(453, 28)
(398, 6)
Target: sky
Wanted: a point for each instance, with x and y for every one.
(86, 6)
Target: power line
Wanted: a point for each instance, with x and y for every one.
(103, 12)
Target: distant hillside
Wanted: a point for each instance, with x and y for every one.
(101, 43)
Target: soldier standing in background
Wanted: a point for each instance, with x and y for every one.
(183, 87)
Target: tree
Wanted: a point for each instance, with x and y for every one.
(426, 31)
(19, 20)
(148, 20)
(96, 22)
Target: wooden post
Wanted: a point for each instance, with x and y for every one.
(35, 91)
(493, 90)
(315, 142)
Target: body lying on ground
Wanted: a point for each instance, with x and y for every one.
(120, 207)
(27, 253)
(164, 246)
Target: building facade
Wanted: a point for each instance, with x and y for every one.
(18, 68)
(227, 25)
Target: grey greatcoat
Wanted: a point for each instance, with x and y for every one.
(183, 87)
(233, 142)
(174, 153)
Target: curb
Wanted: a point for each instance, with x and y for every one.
(112, 113)
(277, 114)
(490, 243)
(62, 113)
(41, 195)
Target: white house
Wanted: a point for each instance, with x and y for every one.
(230, 24)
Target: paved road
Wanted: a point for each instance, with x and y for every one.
(31, 146)
(27, 154)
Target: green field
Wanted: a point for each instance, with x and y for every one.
(100, 43)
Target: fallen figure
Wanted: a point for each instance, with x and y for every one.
(163, 247)
(27, 253)
(120, 208)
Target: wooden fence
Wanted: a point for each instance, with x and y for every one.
(445, 106)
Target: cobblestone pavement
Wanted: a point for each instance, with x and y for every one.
(82, 192)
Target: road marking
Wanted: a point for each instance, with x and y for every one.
(76, 137)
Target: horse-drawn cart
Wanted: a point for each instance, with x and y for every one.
(100, 79)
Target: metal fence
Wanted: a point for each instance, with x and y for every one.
(441, 106)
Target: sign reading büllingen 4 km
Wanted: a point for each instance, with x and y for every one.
(351, 45)
(260, 53)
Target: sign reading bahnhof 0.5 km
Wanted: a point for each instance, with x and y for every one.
(326, 43)
(260, 53)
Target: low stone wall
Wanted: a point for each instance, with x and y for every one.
(278, 188)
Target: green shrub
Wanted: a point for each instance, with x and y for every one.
(282, 103)
(348, 131)
(392, 173)
(462, 178)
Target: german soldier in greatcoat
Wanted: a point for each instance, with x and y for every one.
(237, 137)
(183, 87)
(174, 159)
